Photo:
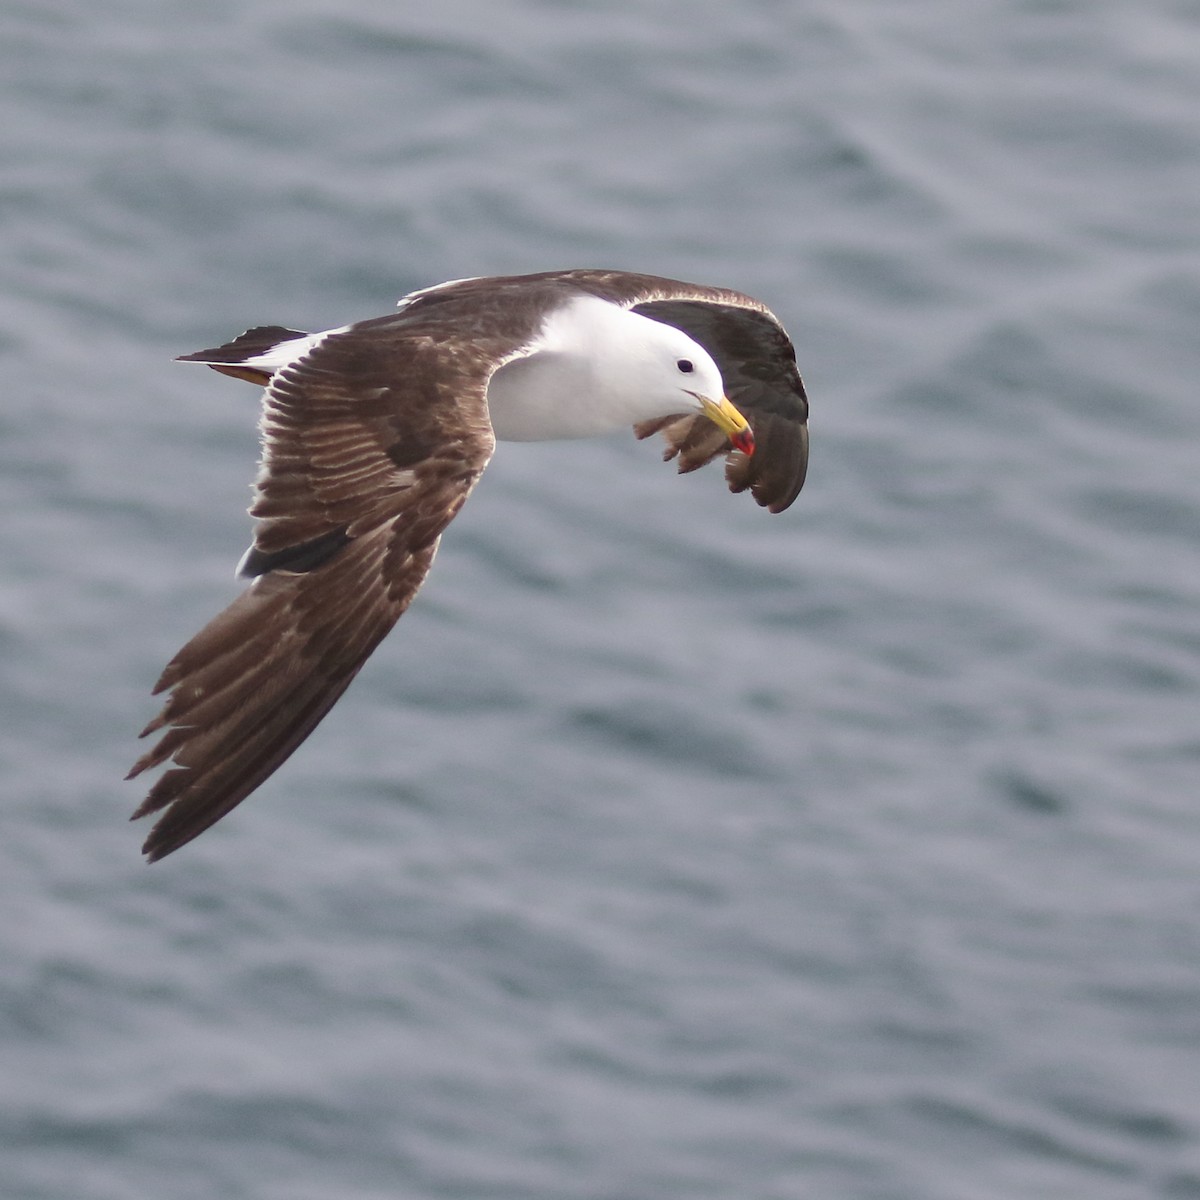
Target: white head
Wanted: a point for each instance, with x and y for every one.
(599, 367)
(660, 363)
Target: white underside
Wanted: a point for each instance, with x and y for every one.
(286, 353)
(546, 398)
(597, 368)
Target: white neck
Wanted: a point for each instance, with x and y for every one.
(584, 376)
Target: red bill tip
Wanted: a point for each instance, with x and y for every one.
(744, 441)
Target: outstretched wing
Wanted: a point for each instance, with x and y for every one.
(758, 364)
(371, 443)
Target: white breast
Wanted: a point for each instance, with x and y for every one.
(595, 368)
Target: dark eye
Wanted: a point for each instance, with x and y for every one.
(686, 365)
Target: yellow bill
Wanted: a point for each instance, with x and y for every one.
(730, 421)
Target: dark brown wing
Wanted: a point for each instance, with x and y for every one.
(372, 442)
(758, 364)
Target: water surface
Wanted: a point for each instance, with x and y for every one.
(668, 849)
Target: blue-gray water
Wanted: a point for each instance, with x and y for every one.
(667, 849)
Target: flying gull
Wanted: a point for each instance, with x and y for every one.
(373, 437)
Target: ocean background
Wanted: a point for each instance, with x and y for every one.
(667, 850)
